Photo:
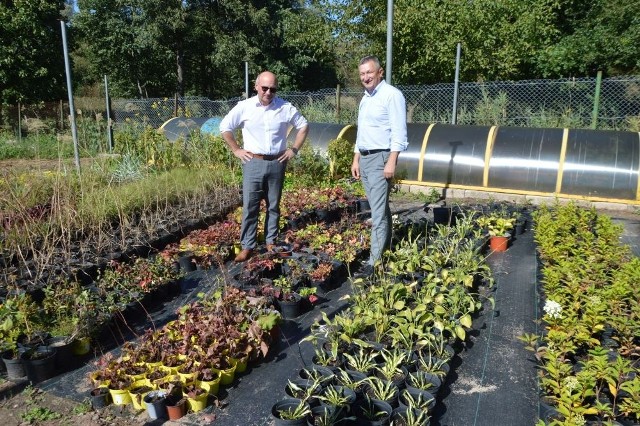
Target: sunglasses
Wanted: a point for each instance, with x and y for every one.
(265, 89)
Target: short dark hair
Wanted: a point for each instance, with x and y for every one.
(371, 58)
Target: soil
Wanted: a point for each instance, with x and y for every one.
(20, 165)
(34, 406)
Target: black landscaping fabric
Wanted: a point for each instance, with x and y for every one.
(492, 381)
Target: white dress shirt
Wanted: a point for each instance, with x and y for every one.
(382, 120)
(264, 127)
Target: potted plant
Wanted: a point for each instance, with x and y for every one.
(17, 315)
(291, 412)
(363, 360)
(176, 406)
(326, 415)
(425, 381)
(373, 412)
(340, 397)
(288, 299)
(156, 403)
(498, 226)
(417, 399)
(392, 368)
(353, 380)
(409, 416)
(328, 357)
(381, 389)
(196, 397)
(306, 389)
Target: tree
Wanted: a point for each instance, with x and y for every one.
(499, 39)
(31, 54)
(116, 38)
(199, 47)
(593, 35)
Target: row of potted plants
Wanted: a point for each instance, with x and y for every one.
(67, 315)
(74, 312)
(399, 332)
(215, 245)
(209, 342)
(589, 348)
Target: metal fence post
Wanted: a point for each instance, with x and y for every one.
(175, 105)
(338, 102)
(596, 101)
(456, 84)
(108, 101)
(19, 124)
(67, 66)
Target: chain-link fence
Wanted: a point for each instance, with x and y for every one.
(531, 103)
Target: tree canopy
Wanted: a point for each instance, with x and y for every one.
(31, 55)
(199, 47)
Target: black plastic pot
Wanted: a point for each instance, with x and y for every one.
(39, 365)
(64, 354)
(100, 397)
(367, 406)
(14, 366)
(290, 308)
(284, 405)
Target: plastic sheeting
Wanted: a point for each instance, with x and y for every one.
(590, 164)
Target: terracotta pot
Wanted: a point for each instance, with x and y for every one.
(498, 243)
(176, 409)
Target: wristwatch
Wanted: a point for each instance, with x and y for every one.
(294, 149)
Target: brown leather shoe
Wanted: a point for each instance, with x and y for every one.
(243, 255)
(271, 247)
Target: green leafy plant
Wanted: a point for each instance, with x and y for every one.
(337, 395)
(384, 390)
(364, 360)
(299, 411)
(18, 316)
(340, 158)
(497, 224)
(35, 412)
(419, 401)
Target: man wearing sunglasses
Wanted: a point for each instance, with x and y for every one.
(264, 120)
(382, 135)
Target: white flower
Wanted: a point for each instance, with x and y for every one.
(594, 300)
(578, 420)
(553, 309)
(571, 383)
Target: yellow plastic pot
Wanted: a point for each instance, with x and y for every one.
(199, 403)
(240, 363)
(81, 346)
(120, 396)
(211, 386)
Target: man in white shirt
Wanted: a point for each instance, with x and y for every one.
(264, 120)
(382, 135)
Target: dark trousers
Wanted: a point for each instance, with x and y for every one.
(261, 179)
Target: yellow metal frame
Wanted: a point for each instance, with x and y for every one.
(423, 150)
(491, 138)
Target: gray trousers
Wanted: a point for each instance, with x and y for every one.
(261, 179)
(377, 189)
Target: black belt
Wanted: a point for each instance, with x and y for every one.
(372, 151)
(268, 157)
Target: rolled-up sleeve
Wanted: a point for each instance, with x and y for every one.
(233, 119)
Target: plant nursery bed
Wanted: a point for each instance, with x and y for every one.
(492, 380)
